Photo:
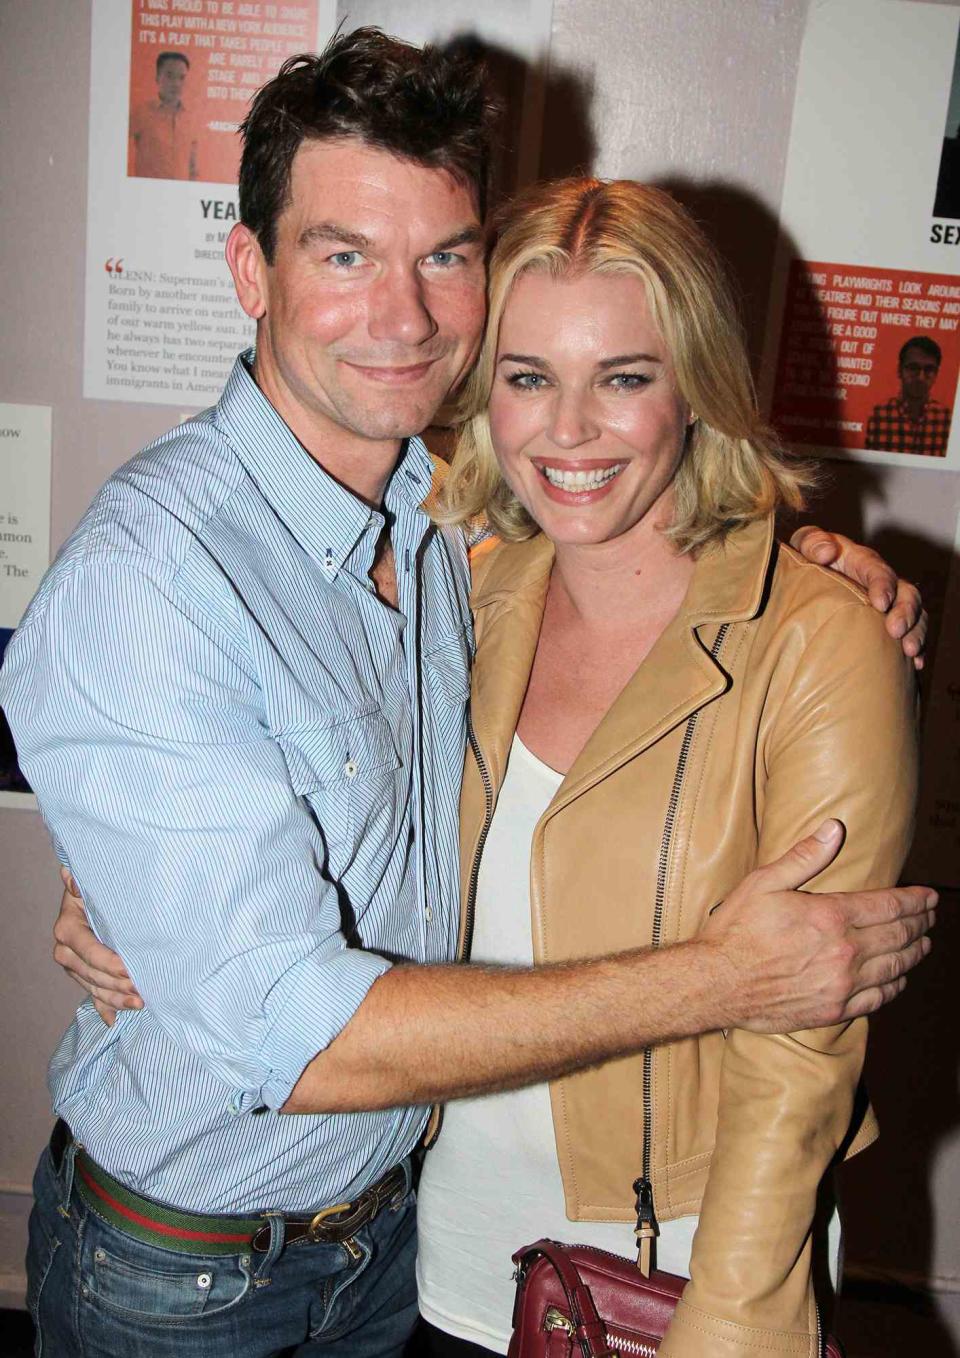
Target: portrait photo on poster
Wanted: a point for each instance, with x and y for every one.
(192, 72)
(868, 359)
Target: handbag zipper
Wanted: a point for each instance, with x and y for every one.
(648, 1228)
(622, 1343)
(466, 940)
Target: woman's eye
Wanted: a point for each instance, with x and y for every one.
(628, 381)
(346, 259)
(527, 381)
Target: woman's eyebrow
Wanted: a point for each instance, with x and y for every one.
(530, 359)
(621, 359)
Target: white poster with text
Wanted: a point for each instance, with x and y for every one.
(170, 82)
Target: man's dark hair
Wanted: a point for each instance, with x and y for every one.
(926, 346)
(171, 56)
(428, 105)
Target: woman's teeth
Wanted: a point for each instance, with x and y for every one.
(581, 480)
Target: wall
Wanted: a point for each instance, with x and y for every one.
(695, 93)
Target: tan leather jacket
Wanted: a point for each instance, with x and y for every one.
(774, 699)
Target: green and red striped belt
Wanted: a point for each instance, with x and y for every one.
(193, 1233)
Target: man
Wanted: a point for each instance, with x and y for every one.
(163, 131)
(239, 695)
(913, 422)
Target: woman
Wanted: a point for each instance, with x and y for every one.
(662, 699)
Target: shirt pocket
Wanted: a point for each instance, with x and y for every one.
(447, 665)
(349, 773)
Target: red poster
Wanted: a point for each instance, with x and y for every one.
(194, 65)
(868, 358)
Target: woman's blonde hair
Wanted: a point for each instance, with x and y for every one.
(733, 468)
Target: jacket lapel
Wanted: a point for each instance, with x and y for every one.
(508, 601)
(679, 676)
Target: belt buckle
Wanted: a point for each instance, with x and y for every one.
(321, 1216)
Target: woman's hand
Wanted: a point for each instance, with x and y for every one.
(91, 963)
(906, 618)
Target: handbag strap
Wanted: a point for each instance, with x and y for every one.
(588, 1327)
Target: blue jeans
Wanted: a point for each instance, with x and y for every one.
(95, 1292)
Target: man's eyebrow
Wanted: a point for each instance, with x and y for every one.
(343, 235)
(467, 235)
(332, 231)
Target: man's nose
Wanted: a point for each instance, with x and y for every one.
(399, 310)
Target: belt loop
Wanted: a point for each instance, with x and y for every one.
(277, 1238)
(66, 1176)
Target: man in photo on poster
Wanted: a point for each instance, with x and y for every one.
(240, 697)
(913, 421)
(163, 131)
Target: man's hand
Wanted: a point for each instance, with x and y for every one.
(809, 960)
(906, 618)
(91, 964)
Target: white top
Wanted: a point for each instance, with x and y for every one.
(492, 1183)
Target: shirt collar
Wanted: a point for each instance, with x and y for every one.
(325, 518)
(930, 407)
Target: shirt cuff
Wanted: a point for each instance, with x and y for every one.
(306, 1010)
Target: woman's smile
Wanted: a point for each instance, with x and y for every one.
(578, 481)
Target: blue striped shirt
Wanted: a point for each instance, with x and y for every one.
(251, 766)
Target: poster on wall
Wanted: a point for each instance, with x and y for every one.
(863, 341)
(170, 80)
(24, 549)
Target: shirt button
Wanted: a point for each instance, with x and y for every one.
(428, 914)
(350, 768)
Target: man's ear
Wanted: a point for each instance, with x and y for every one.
(249, 269)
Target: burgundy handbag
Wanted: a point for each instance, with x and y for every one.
(575, 1300)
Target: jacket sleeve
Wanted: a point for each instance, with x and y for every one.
(842, 744)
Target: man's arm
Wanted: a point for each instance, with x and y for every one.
(771, 959)
(906, 618)
(143, 734)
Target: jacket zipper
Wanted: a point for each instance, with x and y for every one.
(466, 940)
(647, 1225)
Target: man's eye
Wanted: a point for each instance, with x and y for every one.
(346, 259)
(444, 259)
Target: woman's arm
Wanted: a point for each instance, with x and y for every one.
(843, 744)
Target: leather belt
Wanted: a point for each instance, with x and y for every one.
(193, 1233)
